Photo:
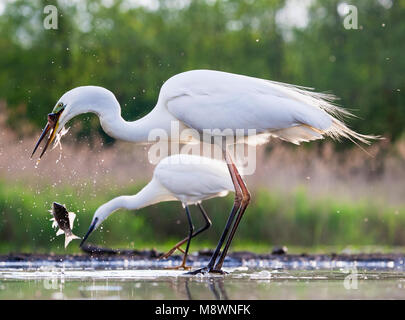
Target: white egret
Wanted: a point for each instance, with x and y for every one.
(221, 103)
(186, 178)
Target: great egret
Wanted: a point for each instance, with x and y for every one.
(221, 103)
(186, 178)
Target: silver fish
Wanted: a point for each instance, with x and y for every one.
(64, 220)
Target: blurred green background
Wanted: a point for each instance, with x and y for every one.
(131, 47)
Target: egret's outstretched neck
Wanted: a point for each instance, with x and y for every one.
(152, 193)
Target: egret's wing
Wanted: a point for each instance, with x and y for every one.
(193, 176)
(205, 99)
(240, 102)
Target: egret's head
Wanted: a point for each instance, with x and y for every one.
(52, 126)
(99, 216)
(74, 102)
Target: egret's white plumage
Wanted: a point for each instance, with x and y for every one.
(206, 99)
(186, 178)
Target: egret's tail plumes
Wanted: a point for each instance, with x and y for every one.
(325, 102)
(339, 129)
(322, 100)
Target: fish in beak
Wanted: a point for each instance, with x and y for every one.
(91, 229)
(52, 126)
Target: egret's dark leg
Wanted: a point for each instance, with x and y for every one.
(211, 263)
(245, 203)
(207, 225)
(220, 262)
(207, 219)
(235, 208)
(190, 234)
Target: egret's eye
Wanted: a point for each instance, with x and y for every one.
(58, 107)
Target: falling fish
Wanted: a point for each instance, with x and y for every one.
(64, 220)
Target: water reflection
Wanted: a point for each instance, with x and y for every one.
(117, 282)
(216, 286)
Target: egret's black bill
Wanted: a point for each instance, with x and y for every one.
(53, 121)
(93, 225)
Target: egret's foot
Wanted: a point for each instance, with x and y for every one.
(184, 267)
(170, 252)
(199, 271)
(206, 270)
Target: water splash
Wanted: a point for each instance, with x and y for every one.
(57, 142)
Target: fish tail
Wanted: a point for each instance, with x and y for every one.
(70, 237)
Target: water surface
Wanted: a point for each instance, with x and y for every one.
(130, 280)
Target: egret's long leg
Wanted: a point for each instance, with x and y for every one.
(220, 262)
(237, 203)
(190, 234)
(207, 219)
(191, 230)
(245, 203)
(211, 263)
(207, 225)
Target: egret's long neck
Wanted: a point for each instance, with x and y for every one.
(152, 193)
(135, 131)
(102, 102)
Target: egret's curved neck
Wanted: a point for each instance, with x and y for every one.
(134, 131)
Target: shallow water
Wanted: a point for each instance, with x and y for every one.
(45, 280)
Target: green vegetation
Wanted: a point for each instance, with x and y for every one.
(133, 50)
(273, 219)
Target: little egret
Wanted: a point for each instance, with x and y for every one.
(186, 178)
(218, 102)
